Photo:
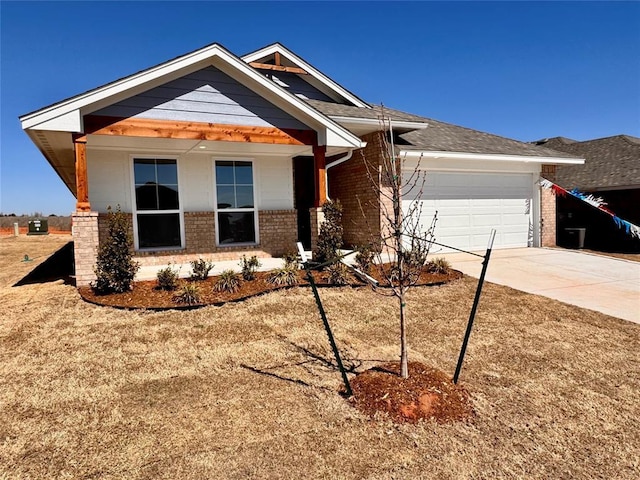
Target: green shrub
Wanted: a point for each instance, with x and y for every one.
(249, 267)
(338, 274)
(330, 235)
(364, 259)
(229, 281)
(188, 294)
(439, 265)
(115, 267)
(287, 275)
(200, 269)
(167, 278)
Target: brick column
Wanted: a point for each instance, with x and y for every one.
(548, 209)
(85, 246)
(317, 217)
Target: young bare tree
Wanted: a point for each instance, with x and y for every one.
(400, 241)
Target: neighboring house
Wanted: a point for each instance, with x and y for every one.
(217, 155)
(612, 172)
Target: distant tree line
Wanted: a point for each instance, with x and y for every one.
(55, 221)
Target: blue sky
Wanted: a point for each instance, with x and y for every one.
(525, 70)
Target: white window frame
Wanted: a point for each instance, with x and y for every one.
(134, 203)
(255, 202)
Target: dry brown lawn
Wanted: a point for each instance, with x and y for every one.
(248, 390)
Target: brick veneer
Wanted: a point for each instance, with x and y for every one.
(349, 183)
(277, 231)
(85, 246)
(548, 209)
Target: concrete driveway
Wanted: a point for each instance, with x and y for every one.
(604, 284)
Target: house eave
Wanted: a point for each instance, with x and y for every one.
(492, 157)
(317, 74)
(372, 122)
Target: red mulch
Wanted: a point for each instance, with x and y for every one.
(146, 294)
(427, 393)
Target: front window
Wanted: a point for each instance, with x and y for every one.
(157, 203)
(235, 202)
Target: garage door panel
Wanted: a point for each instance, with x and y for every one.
(469, 205)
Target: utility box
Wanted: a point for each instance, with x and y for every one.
(574, 237)
(38, 227)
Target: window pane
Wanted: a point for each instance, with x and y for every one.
(144, 171)
(146, 197)
(224, 173)
(237, 227)
(159, 230)
(167, 172)
(244, 174)
(226, 197)
(244, 197)
(168, 197)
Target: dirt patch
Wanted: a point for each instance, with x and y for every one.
(427, 393)
(147, 295)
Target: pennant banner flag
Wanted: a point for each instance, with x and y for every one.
(595, 202)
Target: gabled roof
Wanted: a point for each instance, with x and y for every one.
(67, 115)
(443, 137)
(317, 78)
(611, 163)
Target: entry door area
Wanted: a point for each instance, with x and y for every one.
(469, 205)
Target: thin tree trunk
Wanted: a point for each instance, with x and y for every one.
(404, 362)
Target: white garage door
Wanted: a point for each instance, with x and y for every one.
(469, 205)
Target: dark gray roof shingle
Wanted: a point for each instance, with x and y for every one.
(610, 162)
(440, 136)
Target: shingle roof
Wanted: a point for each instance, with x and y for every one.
(610, 162)
(440, 136)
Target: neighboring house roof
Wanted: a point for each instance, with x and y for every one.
(440, 136)
(611, 162)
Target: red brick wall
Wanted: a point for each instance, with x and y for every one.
(277, 230)
(349, 183)
(548, 209)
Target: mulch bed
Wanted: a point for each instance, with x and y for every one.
(427, 393)
(147, 295)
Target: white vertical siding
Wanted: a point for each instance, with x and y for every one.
(109, 175)
(110, 181)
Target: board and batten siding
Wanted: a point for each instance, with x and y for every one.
(110, 181)
(208, 96)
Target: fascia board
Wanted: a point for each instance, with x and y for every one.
(372, 121)
(492, 157)
(317, 74)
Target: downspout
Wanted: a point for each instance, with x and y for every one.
(333, 164)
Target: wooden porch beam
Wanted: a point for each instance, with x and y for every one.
(278, 68)
(320, 174)
(82, 182)
(142, 127)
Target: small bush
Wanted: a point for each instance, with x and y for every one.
(415, 259)
(229, 281)
(168, 278)
(249, 267)
(364, 259)
(338, 274)
(115, 267)
(200, 269)
(330, 235)
(439, 265)
(287, 275)
(188, 294)
(291, 260)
